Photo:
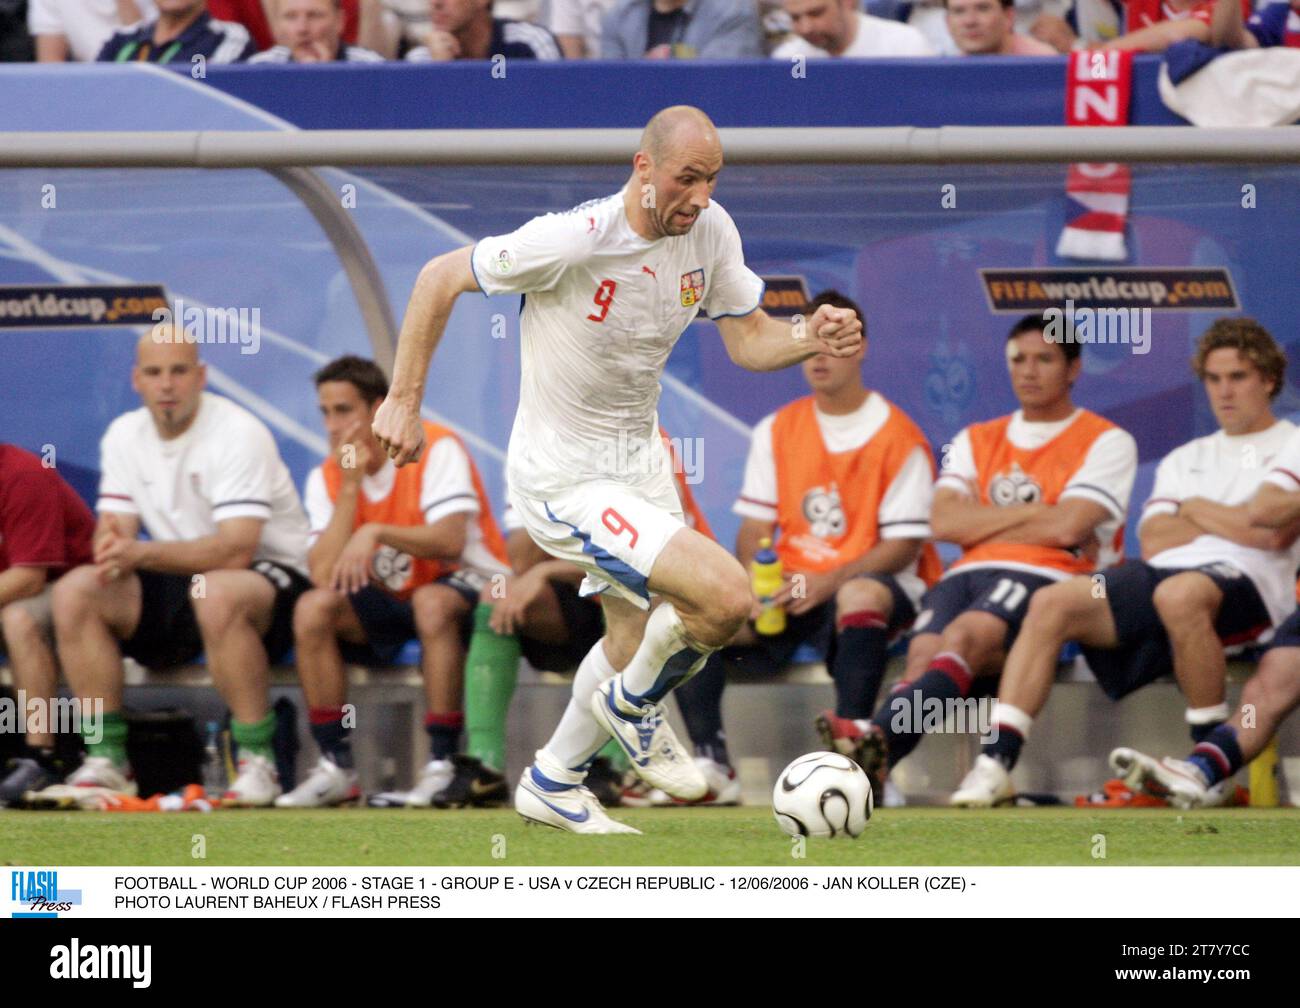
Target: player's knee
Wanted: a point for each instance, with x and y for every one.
(864, 594)
(218, 605)
(1180, 598)
(316, 614)
(74, 593)
(436, 609)
(1051, 609)
(18, 625)
(731, 604)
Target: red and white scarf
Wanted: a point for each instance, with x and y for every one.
(1098, 89)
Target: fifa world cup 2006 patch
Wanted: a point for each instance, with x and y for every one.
(692, 288)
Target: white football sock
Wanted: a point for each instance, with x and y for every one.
(666, 658)
(578, 736)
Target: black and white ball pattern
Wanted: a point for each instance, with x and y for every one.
(822, 794)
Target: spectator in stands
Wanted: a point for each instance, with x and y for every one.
(15, 38)
(1208, 578)
(311, 31)
(987, 28)
(576, 25)
(682, 29)
(841, 481)
(182, 31)
(45, 531)
(466, 29)
(1277, 24)
(838, 28)
(78, 29)
(1032, 498)
(366, 23)
(395, 555)
(1041, 19)
(1154, 25)
(220, 573)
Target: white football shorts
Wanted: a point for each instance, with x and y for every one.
(613, 531)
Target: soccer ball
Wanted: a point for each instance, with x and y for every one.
(822, 794)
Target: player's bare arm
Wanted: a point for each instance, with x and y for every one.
(1273, 507)
(1159, 37)
(958, 518)
(1166, 531)
(1228, 30)
(20, 582)
(888, 556)
(443, 540)
(440, 283)
(758, 342)
(1231, 522)
(1064, 525)
(232, 547)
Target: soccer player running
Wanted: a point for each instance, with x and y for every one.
(1032, 498)
(1269, 695)
(1208, 578)
(611, 285)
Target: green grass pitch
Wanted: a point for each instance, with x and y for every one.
(700, 837)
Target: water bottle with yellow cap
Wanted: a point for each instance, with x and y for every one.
(765, 569)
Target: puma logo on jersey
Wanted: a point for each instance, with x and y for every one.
(591, 224)
(647, 269)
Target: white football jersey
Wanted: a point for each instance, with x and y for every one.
(226, 465)
(603, 308)
(1229, 470)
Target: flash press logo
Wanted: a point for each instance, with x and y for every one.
(1099, 325)
(76, 961)
(38, 893)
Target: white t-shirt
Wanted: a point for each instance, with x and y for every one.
(904, 511)
(225, 466)
(875, 37)
(604, 308)
(1105, 476)
(447, 488)
(86, 24)
(283, 54)
(580, 17)
(1229, 470)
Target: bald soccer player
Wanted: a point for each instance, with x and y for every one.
(223, 566)
(611, 285)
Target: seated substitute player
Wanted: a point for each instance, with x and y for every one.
(1031, 498)
(1207, 577)
(396, 554)
(45, 531)
(1269, 695)
(611, 286)
(842, 481)
(220, 572)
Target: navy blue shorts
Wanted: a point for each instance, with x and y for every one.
(1288, 634)
(816, 628)
(168, 633)
(1143, 654)
(1001, 591)
(389, 622)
